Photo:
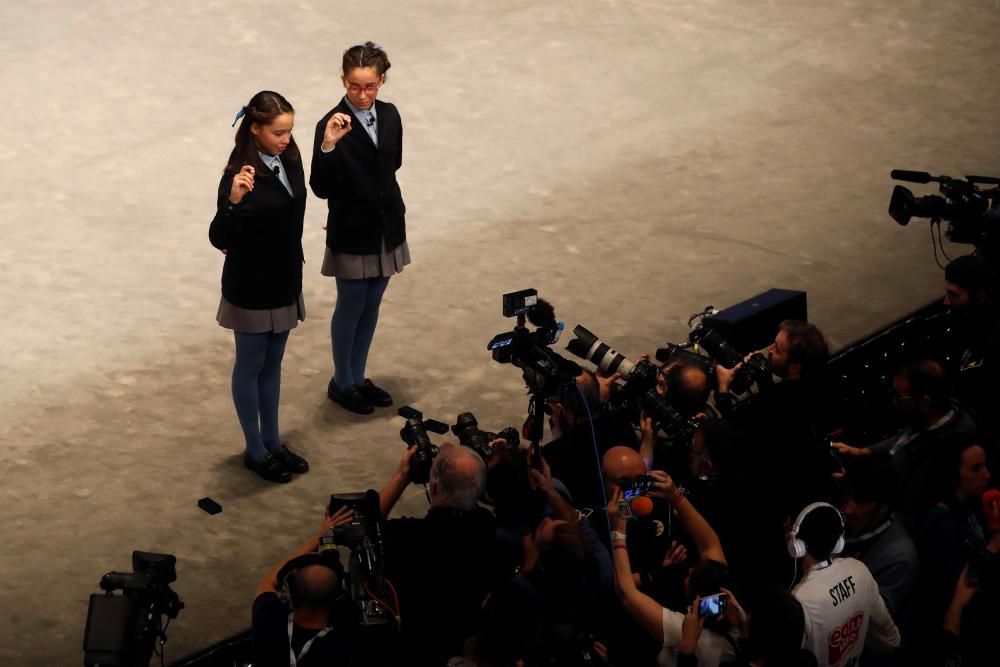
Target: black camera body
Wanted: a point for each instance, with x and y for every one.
(122, 629)
(466, 427)
(668, 418)
(414, 433)
(756, 370)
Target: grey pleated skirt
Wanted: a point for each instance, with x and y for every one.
(276, 320)
(358, 267)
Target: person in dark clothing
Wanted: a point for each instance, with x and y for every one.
(970, 288)
(575, 422)
(444, 564)
(880, 541)
(357, 151)
(554, 606)
(302, 609)
(723, 488)
(783, 422)
(258, 225)
(953, 529)
(922, 397)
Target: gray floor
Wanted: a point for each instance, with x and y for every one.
(633, 160)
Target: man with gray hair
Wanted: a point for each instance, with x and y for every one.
(444, 564)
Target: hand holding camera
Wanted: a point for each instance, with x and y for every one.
(663, 487)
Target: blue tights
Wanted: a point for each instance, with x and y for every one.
(256, 387)
(352, 327)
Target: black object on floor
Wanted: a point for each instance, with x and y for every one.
(209, 505)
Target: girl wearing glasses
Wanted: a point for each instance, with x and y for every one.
(357, 150)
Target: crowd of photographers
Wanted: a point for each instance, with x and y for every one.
(689, 513)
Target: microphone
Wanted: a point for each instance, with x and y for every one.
(910, 176)
(277, 170)
(371, 121)
(642, 505)
(991, 509)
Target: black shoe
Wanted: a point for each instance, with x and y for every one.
(292, 461)
(350, 398)
(379, 397)
(270, 468)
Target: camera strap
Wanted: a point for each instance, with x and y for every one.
(293, 660)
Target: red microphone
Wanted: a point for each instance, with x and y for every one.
(643, 505)
(991, 509)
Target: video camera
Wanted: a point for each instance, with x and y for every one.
(122, 629)
(545, 372)
(963, 204)
(365, 565)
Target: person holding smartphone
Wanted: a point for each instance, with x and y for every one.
(357, 150)
(709, 577)
(258, 225)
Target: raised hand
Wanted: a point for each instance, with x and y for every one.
(242, 184)
(336, 128)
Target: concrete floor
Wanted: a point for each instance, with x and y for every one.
(633, 160)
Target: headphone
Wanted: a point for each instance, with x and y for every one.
(290, 589)
(796, 547)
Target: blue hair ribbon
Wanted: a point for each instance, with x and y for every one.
(239, 114)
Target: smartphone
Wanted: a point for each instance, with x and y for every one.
(713, 605)
(637, 487)
(835, 462)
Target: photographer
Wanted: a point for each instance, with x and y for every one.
(708, 577)
(723, 488)
(784, 421)
(686, 385)
(304, 617)
(550, 612)
(575, 422)
(442, 565)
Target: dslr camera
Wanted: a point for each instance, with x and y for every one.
(466, 427)
(414, 433)
(639, 391)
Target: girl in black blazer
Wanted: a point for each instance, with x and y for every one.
(258, 225)
(358, 148)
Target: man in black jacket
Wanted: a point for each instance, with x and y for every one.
(444, 564)
(783, 422)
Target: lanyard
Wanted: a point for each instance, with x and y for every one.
(293, 660)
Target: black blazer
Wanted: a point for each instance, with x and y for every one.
(358, 180)
(262, 237)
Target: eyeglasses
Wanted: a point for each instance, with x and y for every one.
(368, 88)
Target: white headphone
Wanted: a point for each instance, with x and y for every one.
(796, 547)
